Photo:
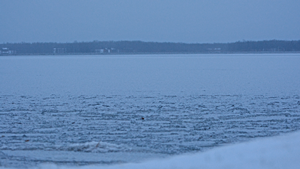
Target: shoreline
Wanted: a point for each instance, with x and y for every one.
(142, 53)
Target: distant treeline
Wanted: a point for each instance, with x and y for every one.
(139, 47)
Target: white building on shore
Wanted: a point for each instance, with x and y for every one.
(6, 51)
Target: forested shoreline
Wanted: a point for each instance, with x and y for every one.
(140, 47)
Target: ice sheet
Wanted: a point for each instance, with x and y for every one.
(260, 74)
(122, 109)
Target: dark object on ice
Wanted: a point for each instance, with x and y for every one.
(98, 144)
(26, 140)
(73, 122)
(143, 118)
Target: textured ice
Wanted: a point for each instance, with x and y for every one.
(96, 147)
(277, 152)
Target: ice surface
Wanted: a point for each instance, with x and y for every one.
(260, 74)
(277, 152)
(98, 147)
(82, 110)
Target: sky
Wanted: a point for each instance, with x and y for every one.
(188, 21)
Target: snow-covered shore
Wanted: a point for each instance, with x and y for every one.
(264, 153)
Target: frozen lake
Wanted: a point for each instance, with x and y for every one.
(271, 74)
(80, 110)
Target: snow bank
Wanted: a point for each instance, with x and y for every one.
(275, 152)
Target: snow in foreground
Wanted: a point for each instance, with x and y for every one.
(275, 152)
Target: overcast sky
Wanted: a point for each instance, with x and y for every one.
(191, 21)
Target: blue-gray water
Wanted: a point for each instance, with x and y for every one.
(104, 110)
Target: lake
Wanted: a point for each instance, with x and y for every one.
(81, 110)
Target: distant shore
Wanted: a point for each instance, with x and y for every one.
(146, 48)
(124, 54)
